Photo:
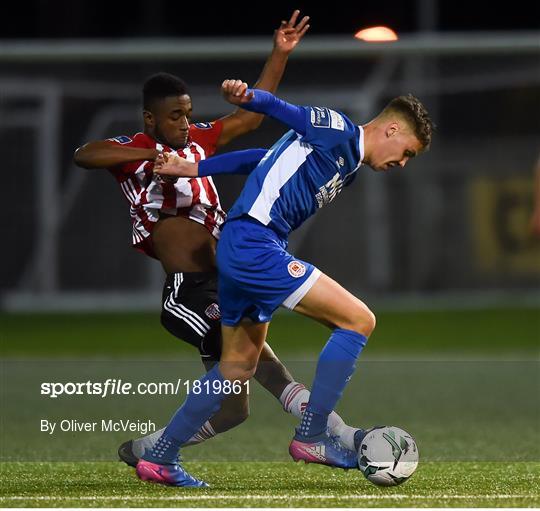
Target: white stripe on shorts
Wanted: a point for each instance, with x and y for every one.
(173, 308)
(292, 300)
(182, 309)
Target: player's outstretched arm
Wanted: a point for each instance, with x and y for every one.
(286, 38)
(237, 93)
(235, 162)
(104, 154)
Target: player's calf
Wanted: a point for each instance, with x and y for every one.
(233, 412)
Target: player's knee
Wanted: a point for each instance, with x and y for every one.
(368, 322)
(238, 371)
(372, 321)
(246, 372)
(363, 321)
(239, 364)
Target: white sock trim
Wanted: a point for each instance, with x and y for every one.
(289, 393)
(205, 433)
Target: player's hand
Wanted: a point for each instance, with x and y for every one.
(170, 165)
(234, 91)
(289, 34)
(160, 159)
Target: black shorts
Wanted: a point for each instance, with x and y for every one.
(190, 311)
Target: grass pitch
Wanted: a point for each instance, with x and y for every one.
(464, 383)
(260, 484)
(491, 332)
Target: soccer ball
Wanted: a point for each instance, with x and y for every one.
(387, 456)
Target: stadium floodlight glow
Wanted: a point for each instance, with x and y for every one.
(376, 35)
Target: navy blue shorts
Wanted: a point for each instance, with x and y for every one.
(257, 274)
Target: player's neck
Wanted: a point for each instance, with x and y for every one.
(368, 141)
(150, 134)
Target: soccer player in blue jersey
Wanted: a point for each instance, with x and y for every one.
(306, 169)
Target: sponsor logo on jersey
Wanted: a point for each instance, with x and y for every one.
(336, 121)
(121, 139)
(320, 117)
(213, 312)
(329, 191)
(203, 125)
(296, 269)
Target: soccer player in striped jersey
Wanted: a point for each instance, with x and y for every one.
(305, 170)
(179, 223)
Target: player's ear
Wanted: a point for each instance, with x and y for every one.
(392, 129)
(149, 119)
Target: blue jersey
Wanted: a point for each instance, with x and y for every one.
(302, 173)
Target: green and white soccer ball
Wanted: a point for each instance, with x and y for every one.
(387, 456)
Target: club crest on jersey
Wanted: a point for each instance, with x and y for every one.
(121, 139)
(213, 312)
(203, 125)
(296, 269)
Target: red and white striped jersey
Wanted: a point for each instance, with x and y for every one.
(196, 198)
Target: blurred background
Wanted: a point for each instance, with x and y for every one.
(443, 250)
(455, 222)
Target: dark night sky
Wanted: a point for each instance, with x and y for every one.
(174, 18)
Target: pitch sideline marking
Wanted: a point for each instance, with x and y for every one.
(260, 497)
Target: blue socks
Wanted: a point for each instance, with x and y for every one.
(335, 367)
(189, 418)
(165, 450)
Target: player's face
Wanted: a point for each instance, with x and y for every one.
(171, 119)
(395, 149)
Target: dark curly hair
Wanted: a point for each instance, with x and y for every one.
(160, 86)
(415, 114)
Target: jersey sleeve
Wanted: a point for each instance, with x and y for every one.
(235, 162)
(206, 134)
(321, 127)
(326, 128)
(137, 140)
(265, 102)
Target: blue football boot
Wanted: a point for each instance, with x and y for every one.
(170, 474)
(323, 449)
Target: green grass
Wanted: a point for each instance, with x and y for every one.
(489, 332)
(270, 485)
(476, 422)
(456, 411)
